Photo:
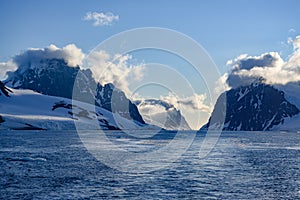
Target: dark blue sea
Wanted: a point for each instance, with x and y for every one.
(242, 165)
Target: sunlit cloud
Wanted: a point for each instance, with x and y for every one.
(190, 103)
(6, 67)
(100, 18)
(114, 69)
(269, 67)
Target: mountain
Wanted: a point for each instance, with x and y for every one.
(257, 107)
(29, 110)
(162, 114)
(55, 78)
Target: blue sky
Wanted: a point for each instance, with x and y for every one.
(226, 29)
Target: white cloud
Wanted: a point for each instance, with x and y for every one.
(291, 30)
(6, 67)
(70, 53)
(190, 103)
(296, 42)
(269, 66)
(100, 18)
(221, 85)
(114, 69)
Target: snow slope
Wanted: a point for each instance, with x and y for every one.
(25, 109)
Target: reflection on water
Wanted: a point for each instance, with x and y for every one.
(55, 165)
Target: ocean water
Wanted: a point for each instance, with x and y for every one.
(242, 165)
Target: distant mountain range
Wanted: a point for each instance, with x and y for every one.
(162, 114)
(257, 107)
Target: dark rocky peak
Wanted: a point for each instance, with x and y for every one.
(256, 107)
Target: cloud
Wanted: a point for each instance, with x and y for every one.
(296, 43)
(190, 103)
(6, 67)
(221, 85)
(194, 108)
(291, 30)
(269, 67)
(70, 53)
(101, 19)
(114, 69)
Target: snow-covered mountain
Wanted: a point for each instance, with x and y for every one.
(257, 107)
(162, 114)
(55, 78)
(26, 109)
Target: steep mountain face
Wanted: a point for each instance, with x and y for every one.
(55, 78)
(162, 114)
(257, 107)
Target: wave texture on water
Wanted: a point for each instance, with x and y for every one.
(243, 165)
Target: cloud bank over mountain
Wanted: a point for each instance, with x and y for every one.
(114, 69)
(190, 103)
(269, 67)
(70, 53)
(106, 68)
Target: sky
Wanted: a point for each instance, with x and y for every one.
(225, 29)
